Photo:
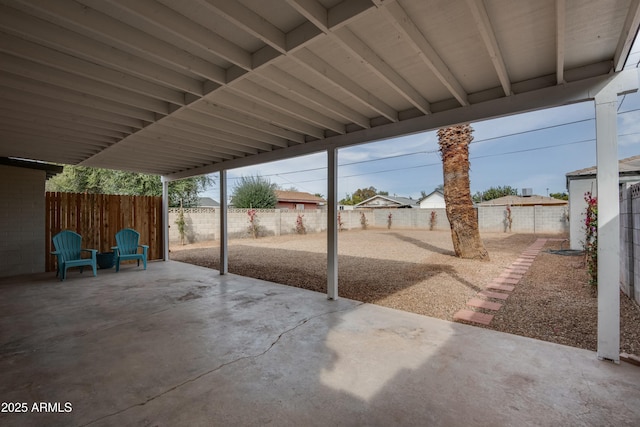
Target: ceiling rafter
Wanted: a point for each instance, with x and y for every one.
(205, 119)
(167, 20)
(37, 30)
(152, 143)
(239, 142)
(322, 68)
(213, 109)
(194, 140)
(403, 23)
(481, 17)
(88, 70)
(312, 95)
(276, 101)
(249, 21)
(627, 36)
(95, 24)
(41, 110)
(316, 13)
(45, 121)
(239, 102)
(561, 18)
(63, 79)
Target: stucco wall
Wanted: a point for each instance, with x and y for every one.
(22, 221)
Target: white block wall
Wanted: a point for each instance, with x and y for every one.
(22, 221)
(203, 223)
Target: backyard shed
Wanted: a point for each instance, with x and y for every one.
(583, 181)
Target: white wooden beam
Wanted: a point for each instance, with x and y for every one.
(561, 24)
(246, 120)
(209, 143)
(77, 83)
(64, 40)
(312, 95)
(95, 24)
(552, 96)
(384, 71)
(30, 91)
(87, 70)
(219, 124)
(167, 20)
(316, 13)
(627, 35)
(249, 21)
(238, 101)
(322, 68)
(274, 100)
(403, 23)
(479, 12)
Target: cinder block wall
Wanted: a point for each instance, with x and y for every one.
(203, 223)
(22, 221)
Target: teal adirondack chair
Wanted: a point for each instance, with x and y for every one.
(128, 240)
(69, 250)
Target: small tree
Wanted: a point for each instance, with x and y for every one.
(254, 223)
(363, 221)
(433, 220)
(340, 223)
(300, 228)
(180, 222)
(389, 219)
(508, 220)
(254, 192)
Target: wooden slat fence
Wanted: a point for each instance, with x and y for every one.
(98, 217)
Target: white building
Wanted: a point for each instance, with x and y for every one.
(434, 200)
(584, 180)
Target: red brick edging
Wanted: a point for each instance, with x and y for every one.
(506, 282)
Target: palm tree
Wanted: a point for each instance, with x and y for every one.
(454, 147)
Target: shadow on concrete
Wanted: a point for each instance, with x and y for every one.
(129, 349)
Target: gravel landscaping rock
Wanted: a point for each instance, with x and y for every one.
(417, 271)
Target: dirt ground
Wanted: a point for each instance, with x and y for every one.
(417, 271)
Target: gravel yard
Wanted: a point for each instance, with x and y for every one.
(416, 271)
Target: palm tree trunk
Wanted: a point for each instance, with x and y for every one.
(454, 147)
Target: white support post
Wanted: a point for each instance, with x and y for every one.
(606, 102)
(332, 225)
(224, 253)
(165, 217)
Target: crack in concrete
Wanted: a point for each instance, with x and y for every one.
(211, 371)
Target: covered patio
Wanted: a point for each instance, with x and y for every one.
(181, 345)
(180, 89)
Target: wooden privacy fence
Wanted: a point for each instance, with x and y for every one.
(98, 217)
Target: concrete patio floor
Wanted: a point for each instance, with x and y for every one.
(179, 345)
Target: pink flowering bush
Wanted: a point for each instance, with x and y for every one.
(300, 228)
(254, 223)
(591, 237)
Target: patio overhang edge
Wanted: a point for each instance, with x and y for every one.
(549, 97)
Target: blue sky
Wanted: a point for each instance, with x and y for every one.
(532, 150)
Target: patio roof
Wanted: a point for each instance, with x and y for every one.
(185, 88)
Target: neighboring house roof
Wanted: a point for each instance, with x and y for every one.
(524, 201)
(298, 197)
(379, 201)
(434, 192)
(207, 202)
(49, 169)
(628, 166)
